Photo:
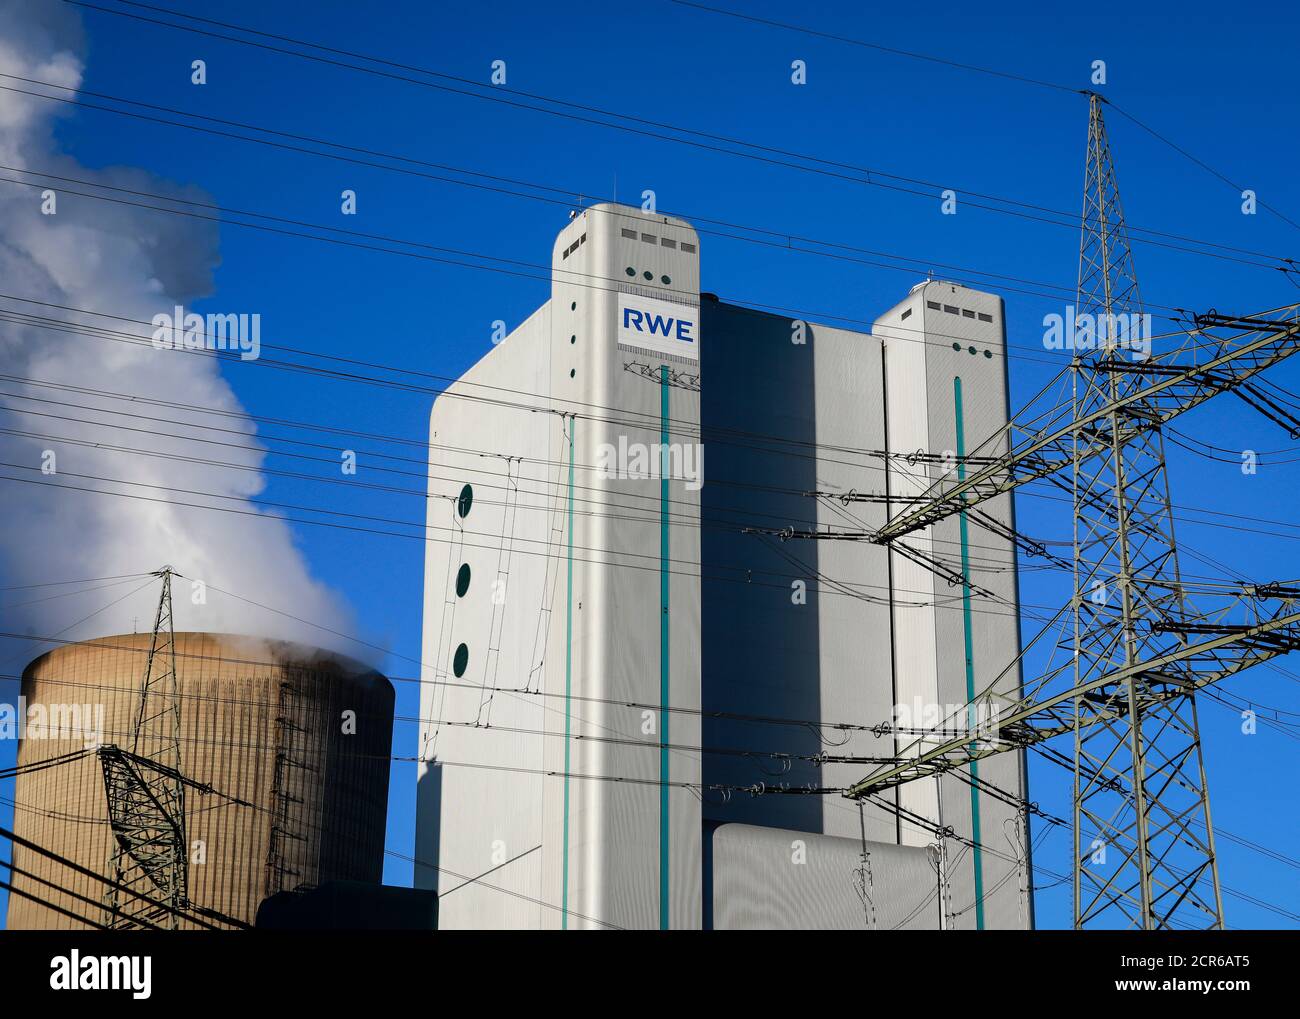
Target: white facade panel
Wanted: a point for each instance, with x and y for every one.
(503, 548)
(604, 580)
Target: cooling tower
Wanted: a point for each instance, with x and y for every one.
(303, 735)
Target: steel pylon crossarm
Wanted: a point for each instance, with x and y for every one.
(147, 822)
(1226, 648)
(1140, 876)
(1159, 389)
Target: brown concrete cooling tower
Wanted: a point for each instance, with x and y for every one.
(302, 734)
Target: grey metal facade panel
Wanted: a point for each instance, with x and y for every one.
(954, 345)
(332, 796)
(820, 652)
(769, 879)
(760, 651)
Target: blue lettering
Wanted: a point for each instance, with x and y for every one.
(659, 324)
(668, 327)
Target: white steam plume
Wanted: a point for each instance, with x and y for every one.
(134, 263)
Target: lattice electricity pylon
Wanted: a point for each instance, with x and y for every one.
(146, 794)
(1139, 650)
(1143, 841)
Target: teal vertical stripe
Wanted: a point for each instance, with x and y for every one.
(970, 660)
(663, 653)
(568, 689)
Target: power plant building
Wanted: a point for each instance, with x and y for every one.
(635, 661)
(302, 735)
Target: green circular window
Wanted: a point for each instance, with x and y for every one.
(573, 305)
(573, 372)
(573, 338)
(956, 346)
(462, 580)
(667, 280)
(971, 349)
(465, 501)
(988, 353)
(460, 661)
(630, 271)
(648, 275)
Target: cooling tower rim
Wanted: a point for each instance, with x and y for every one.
(280, 653)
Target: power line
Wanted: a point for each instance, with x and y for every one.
(760, 153)
(685, 518)
(817, 759)
(91, 615)
(781, 241)
(17, 871)
(1203, 165)
(1067, 764)
(1008, 75)
(784, 242)
(766, 308)
(811, 724)
(717, 433)
(816, 727)
(62, 594)
(721, 525)
(49, 762)
(478, 880)
(497, 888)
(1027, 807)
(646, 421)
(23, 894)
(62, 583)
(424, 526)
(759, 788)
(994, 72)
(358, 528)
(18, 840)
(911, 816)
(893, 457)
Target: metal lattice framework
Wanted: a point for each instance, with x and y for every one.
(1142, 834)
(1144, 845)
(146, 794)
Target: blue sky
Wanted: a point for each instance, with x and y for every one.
(1218, 81)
